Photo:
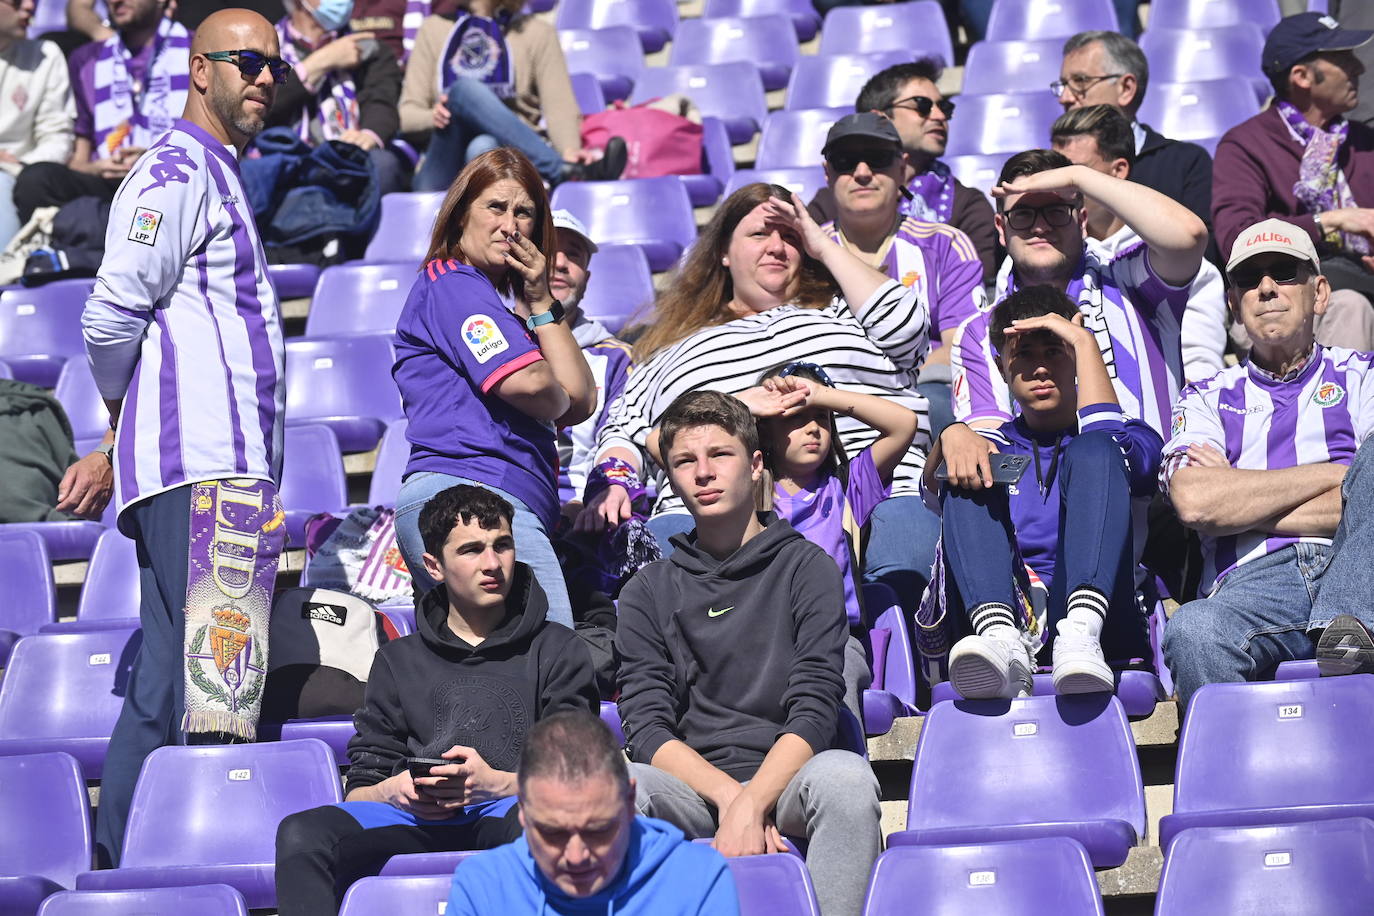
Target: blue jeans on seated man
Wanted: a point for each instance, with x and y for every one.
(1272, 609)
(480, 121)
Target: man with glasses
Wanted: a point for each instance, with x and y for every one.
(908, 96)
(1270, 461)
(184, 337)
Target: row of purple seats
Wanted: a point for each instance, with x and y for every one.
(653, 213)
(344, 383)
(1209, 14)
(1199, 112)
(1182, 55)
(804, 181)
(1033, 20)
(200, 899)
(32, 596)
(40, 329)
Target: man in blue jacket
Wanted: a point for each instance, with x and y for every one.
(584, 849)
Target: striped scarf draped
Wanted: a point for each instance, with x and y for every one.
(334, 110)
(133, 114)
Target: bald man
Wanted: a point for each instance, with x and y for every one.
(184, 337)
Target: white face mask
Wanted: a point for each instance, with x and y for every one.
(333, 15)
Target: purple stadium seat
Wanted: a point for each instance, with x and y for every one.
(653, 213)
(732, 92)
(1322, 867)
(1298, 670)
(397, 895)
(1191, 111)
(993, 66)
(613, 55)
(969, 783)
(40, 329)
(392, 457)
(1205, 14)
(1138, 691)
(1003, 123)
(312, 477)
(978, 171)
(110, 594)
(68, 540)
(834, 80)
(359, 299)
(893, 692)
(768, 42)
(793, 139)
(46, 840)
(1273, 753)
(610, 714)
(620, 286)
(5, 370)
(335, 731)
(1192, 55)
(805, 20)
(48, 16)
(803, 182)
(917, 28)
(344, 383)
(63, 692)
(406, 222)
(1031, 877)
(209, 815)
(1030, 20)
(704, 189)
(587, 91)
(30, 595)
(202, 900)
(425, 863)
(294, 281)
(773, 885)
(654, 20)
(81, 400)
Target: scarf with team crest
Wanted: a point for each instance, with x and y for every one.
(138, 113)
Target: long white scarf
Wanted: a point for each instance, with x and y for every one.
(129, 113)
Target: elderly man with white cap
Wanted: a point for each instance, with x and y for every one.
(1269, 461)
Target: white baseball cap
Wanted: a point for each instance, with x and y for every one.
(562, 219)
(1273, 235)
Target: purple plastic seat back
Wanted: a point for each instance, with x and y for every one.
(732, 92)
(919, 28)
(1191, 55)
(403, 232)
(834, 80)
(768, 41)
(220, 805)
(1030, 20)
(793, 139)
(48, 16)
(978, 170)
(81, 400)
(899, 671)
(64, 691)
(654, 20)
(392, 457)
(200, 899)
(1003, 123)
(344, 383)
(312, 477)
(359, 299)
(1191, 14)
(653, 213)
(426, 863)
(44, 808)
(1019, 878)
(1194, 111)
(803, 182)
(704, 189)
(111, 590)
(1322, 867)
(397, 895)
(26, 569)
(620, 287)
(587, 90)
(993, 66)
(40, 329)
(805, 20)
(293, 281)
(613, 55)
(610, 715)
(5, 370)
(773, 885)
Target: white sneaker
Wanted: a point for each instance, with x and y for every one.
(998, 664)
(1079, 666)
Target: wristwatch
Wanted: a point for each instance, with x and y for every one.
(107, 451)
(555, 313)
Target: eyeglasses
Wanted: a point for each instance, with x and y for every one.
(1056, 215)
(1079, 85)
(845, 162)
(922, 105)
(250, 63)
(1289, 270)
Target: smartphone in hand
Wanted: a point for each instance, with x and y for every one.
(420, 766)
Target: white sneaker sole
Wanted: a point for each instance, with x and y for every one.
(976, 677)
(1083, 677)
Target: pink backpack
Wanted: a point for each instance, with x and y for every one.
(659, 142)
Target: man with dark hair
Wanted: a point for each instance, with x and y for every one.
(583, 848)
(483, 664)
(731, 669)
(908, 96)
(1094, 469)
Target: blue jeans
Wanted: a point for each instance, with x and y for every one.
(9, 214)
(480, 122)
(532, 545)
(1269, 610)
(937, 395)
(902, 534)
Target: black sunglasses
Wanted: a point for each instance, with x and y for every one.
(845, 162)
(250, 63)
(922, 105)
(1057, 215)
(1288, 270)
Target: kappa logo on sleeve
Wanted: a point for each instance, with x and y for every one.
(483, 337)
(144, 227)
(171, 160)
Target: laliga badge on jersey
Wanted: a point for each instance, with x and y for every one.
(143, 229)
(1328, 394)
(483, 337)
(1179, 423)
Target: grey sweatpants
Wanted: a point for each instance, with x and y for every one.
(832, 801)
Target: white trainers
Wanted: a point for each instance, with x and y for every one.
(998, 664)
(1079, 666)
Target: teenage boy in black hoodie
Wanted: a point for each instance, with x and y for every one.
(483, 667)
(730, 674)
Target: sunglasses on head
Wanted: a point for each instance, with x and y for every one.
(846, 161)
(1056, 215)
(923, 105)
(1289, 270)
(794, 368)
(250, 63)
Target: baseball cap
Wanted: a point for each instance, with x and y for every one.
(868, 125)
(1303, 35)
(562, 219)
(1272, 235)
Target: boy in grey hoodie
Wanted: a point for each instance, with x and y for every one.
(730, 675)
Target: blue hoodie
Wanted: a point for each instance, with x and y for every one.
(663, 875)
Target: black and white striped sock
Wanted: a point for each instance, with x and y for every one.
(992, 614)
(1087, 610)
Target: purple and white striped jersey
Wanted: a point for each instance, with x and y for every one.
(184, 325)
(1319, 414)
(1136, 317)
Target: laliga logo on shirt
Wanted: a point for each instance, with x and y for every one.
(483, 337)
(478, 331)
(1328, 394)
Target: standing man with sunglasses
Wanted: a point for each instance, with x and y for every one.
(184, 337)
(1270, 461)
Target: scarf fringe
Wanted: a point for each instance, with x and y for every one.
(209, 721)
